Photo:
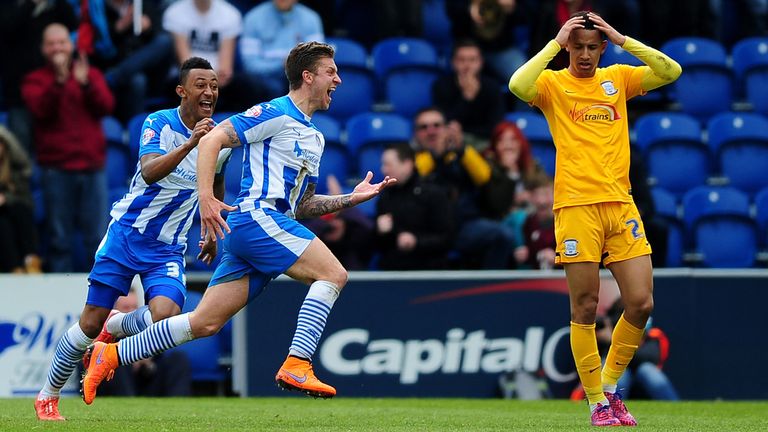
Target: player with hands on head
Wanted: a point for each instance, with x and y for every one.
(282, 151)
(596, 219)
(147, 235)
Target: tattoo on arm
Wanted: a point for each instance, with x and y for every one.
(312, 205)
(232, 139)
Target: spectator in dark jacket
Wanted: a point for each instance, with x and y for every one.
(414, 220)
(67, 99)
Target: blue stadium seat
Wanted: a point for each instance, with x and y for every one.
(761, 216)
(409, 90)
(704, 67)
(203, 353)
(398, 53)
(113, 131)
(371, 127)
(134, 134)
(118, 168)
(357, 91)
(666, 207)
(720, 226)
(3, 118)
(740, 142)
(535, 128)
(750, 63)
(615, 54)
(335, 159)
(677, 159)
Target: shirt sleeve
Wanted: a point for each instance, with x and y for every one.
(151, 136)
(523, 82)
(660, 69)
(257, 123)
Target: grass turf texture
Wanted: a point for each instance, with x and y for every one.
(345, 414)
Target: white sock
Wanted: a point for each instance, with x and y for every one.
(69, 351)
(312, 317)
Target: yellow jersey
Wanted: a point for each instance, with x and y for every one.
(588, 121)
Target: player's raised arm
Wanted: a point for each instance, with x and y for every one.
(212, 224)
(312, 205)
(661, 68)
(523, 82)
(156, 166)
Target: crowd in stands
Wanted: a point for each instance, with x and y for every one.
(423, 100)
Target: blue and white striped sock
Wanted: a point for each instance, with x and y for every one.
(312, 316)
(69, 351)
(160, 336)
(131, 323)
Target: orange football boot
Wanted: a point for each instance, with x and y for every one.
(102, 366)
(47, 408)
(297, 374)
(105, 336)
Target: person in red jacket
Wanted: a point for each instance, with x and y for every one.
(67, 99)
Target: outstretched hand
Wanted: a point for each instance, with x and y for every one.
(365, 190)
(212, 225)
(614, 36)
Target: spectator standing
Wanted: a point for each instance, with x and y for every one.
(209, 29)
(414, 223)
(493, 23)
(270, 31)
(67, 99)
(443, 159)
(21, 31)
(140, 59)
(18, 234)
(469, 97)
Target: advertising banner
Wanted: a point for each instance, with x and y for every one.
(35, 312)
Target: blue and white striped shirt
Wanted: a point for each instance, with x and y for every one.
(281, 155)
(165, 209)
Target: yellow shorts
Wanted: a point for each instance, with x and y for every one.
(607, 232)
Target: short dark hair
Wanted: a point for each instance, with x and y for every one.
(403, 149)
(464, 43)
(192, 63)
(305, 56)
(588, 24)
(429, 109)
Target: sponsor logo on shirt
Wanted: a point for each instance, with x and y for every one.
(253, 111)
(594, 112)
(147, 136)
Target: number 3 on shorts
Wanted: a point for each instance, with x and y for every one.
(173, 269)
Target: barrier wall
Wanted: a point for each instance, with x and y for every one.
(434, 334)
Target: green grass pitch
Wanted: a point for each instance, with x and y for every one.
(351, 414)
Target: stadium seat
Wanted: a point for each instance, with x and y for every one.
(704, 67)
(409, 90)
(666, 207)
(335, 159)
(3, 118)
(761, 216)
(535, 128)
(750, 64)
(671, 143)
(118, 168)
(113, 131)
(203, 353)
(371, 127)
(398, 53)
(740, 143)
(357, 91)
(718, 221)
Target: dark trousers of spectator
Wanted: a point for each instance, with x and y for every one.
(488, 239)
(18, 235)
(75, 202)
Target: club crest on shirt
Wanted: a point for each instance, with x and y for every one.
(571, 247)
(253, 111)
(147, 136)
(609, 88)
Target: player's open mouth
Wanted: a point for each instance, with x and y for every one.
(331, 90)
(206, 105)
(585, 65)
